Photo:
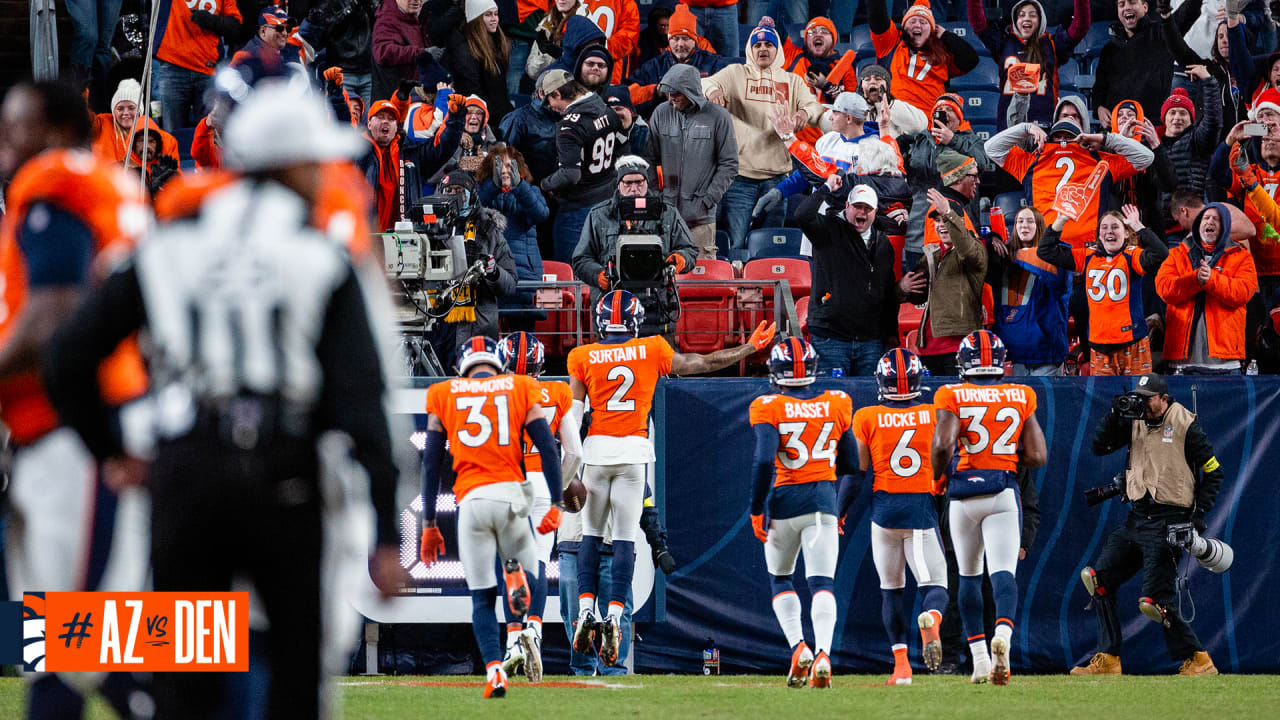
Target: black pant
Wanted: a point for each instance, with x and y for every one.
(1139, 545)
(218, 510)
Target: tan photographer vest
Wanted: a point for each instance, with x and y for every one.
(1158, 460)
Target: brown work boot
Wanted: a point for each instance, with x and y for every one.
(1198, 664)
(1104, 664)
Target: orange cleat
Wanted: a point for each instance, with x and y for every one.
(801, 661)
(901, 668)
(517, 587)
(930, 622)
(820, 675)
(496, 684)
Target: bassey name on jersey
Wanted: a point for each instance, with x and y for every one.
(990, 395)
(618, 354)
(485, 385)
(808, 410)
(910, 418)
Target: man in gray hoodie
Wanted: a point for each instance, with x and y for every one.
(692, 143)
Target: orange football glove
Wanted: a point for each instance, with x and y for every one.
(678, 260)
(603, 281)
(550, 521)
(762, 336)
(940, 486)
(456, 102)
(432, 546)
(840, 525)
(333, 75)
(757, 526)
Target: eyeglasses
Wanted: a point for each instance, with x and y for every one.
(595, 64)
(971, 176)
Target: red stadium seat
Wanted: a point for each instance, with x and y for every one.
(706, 311)
(755, 304)
(911, 341)
(908, 319)
(558, 331)
(802, 314)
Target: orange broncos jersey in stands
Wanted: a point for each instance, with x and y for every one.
(556, 398)
(1114, 288)
(342, 206)
(808, 433)
(483, 420)
(898, 439)
(179, 41)
(915, 79)
(1043, 173)
(103, 197)
(620, 380)
(991, 419)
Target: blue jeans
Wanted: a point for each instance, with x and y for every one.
(567, 231)
(1045, 370)
(855, 357)
(179, 91)
(359, 84)
(738, 202)
(719, 25)
(515, 70)
(579, 663)
(93, 23)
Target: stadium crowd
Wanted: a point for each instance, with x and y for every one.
(997, 108)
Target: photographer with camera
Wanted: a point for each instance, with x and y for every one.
(634, 213)
(1167, 449)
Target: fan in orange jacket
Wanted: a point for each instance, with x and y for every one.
(1206, 282)
(111, 130)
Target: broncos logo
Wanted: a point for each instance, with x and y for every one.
(33, 616)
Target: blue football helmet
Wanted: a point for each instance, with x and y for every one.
(898, 375)
(981, 354)
(522, 353)
(619, 311)
(480, 350)
(793, 363)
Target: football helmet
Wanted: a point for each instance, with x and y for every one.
(522, 354)
(479, 350)
(981, 354)
(898, 375)
(793, 363)
(619, 311)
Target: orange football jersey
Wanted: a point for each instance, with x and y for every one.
(109, 202)
(915, 80)
(556, 398)
(1055, 165)
(483, 420)
(991, 419)
(620, 380)
(898, 439)
(808, 433)
(1114, 288)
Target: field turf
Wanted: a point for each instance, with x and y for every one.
(658, 697)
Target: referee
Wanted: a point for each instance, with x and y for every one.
(258, 341)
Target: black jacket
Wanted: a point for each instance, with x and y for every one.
(1113, 433)
(348, 33)
(854, 294)
(472, 77)
(1141, 67)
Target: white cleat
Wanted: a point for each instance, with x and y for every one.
(513, 660)
(532, 652)
(1000, 668)
(981, 672)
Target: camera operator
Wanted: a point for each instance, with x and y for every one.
(1167, 449)
(475, 305)
(635, 210)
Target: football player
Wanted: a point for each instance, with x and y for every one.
(619, 374)
(70, 215)
(524, 354)
(986, 428)
(893, 439)
(484, 415)
(802, 441)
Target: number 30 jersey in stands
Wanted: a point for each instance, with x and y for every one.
(805, 465)
(620, 379)
(483, 420)
(897, 437)
(991, 419)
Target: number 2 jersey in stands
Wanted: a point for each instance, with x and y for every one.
(620, 379)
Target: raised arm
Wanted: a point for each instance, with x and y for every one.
(697, 363)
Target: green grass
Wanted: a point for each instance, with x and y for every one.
(856, 697)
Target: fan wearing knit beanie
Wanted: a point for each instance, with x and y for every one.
(754, 93)
(477, 53)
(922, 56)
(1190, 141)
(111, 130)
(684, 46)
